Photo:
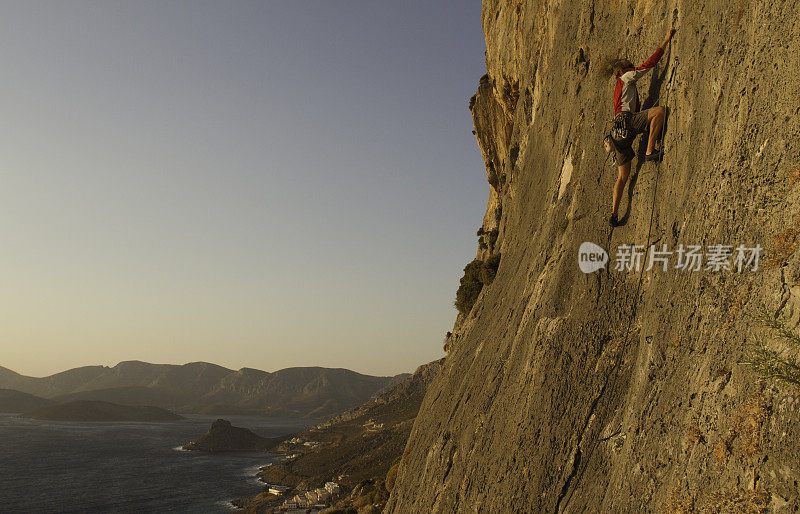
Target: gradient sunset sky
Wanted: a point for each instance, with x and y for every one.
(250, 183)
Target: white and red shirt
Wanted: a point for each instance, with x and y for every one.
(626, 96)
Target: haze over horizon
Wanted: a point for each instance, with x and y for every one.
(254, 184)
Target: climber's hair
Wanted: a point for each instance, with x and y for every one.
(618, 65)
(610, 66)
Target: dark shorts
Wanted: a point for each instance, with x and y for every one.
(623, 150)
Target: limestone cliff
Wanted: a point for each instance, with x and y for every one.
(622, 391)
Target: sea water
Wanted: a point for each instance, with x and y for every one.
(57, 466)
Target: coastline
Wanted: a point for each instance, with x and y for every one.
(353, 456)
(79, 464)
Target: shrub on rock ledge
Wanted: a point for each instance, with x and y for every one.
(476, 274)
(489, 269)
(470, 287)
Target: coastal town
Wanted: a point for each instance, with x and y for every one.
(296, 500)
(316, 499)
(301, 496)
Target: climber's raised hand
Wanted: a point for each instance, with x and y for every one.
(669, 35)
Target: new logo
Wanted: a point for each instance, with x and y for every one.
(591, 257)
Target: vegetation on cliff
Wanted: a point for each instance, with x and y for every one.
(778, 362)
(477, 274)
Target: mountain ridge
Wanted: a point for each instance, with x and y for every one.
(207, 388)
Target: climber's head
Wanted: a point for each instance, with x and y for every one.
(620, 66)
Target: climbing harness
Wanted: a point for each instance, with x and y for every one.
(621, 126)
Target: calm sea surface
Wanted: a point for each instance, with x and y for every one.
(56, 466)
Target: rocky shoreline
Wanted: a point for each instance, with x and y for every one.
(355, 454)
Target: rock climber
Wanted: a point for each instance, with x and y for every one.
(629, 121)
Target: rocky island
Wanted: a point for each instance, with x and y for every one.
(224, 437)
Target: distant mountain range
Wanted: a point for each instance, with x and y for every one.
(198, 387)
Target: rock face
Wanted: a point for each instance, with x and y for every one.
(100, 411)
(200, 387)
(621, 391)
(224, 437)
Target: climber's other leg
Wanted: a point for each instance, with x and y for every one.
(623, 155)
(622, 179)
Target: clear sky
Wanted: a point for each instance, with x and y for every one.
(251, 183)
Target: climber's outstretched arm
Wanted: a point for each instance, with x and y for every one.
(637, 73)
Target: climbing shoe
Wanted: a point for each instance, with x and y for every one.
(655, 156)
(613, 221)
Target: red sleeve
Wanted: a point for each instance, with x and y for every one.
(617, 97)
(649, 63)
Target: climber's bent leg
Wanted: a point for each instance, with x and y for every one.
(656, 116)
